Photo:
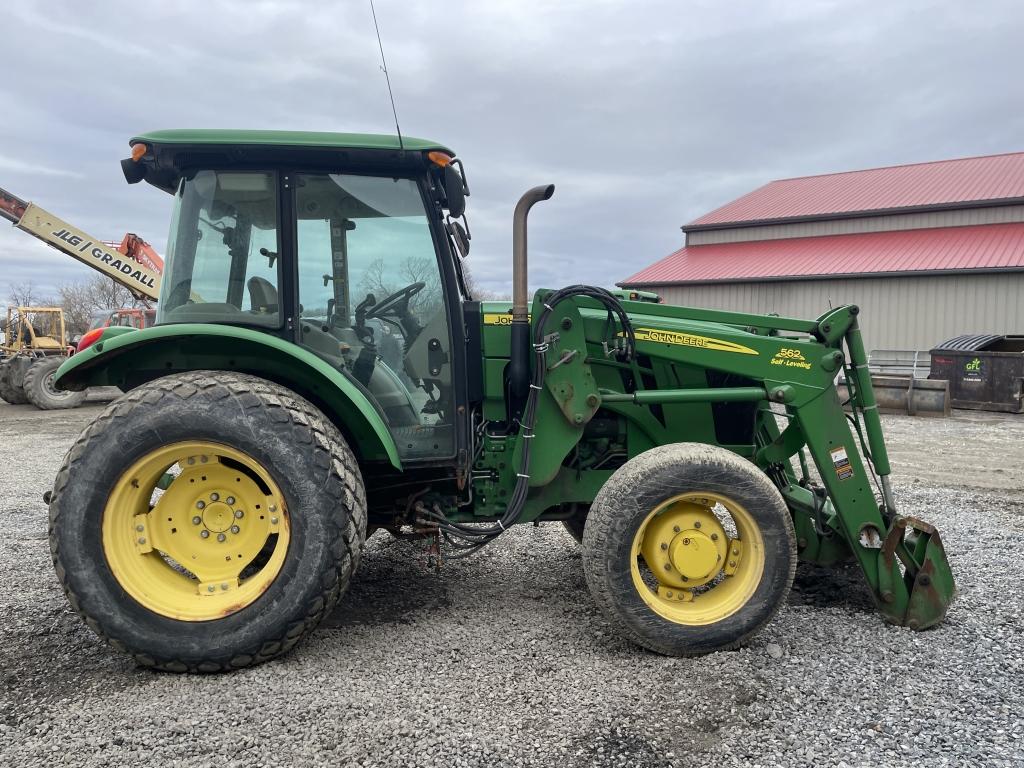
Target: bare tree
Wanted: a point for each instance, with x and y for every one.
(26, 295)
(476, 292)
(381, 279)
(80, 301)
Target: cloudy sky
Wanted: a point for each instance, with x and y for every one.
(644, 114)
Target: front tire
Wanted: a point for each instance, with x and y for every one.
(40, 390)
(281, 513)
(689, 549)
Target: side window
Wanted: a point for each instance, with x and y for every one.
(371, 301)
(224, 245)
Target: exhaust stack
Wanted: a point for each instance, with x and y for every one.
(519, 363)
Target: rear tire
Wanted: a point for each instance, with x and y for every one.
(41, 392)
(670, 503)
(8, 391)
(258, 435)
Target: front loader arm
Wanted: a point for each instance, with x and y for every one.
(916, 595)
(791, 366)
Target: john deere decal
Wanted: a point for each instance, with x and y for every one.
(689, 340)
(499, 318)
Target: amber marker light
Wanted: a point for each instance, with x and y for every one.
(138, 151)
(439, 158)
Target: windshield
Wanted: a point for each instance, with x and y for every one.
(221, 263)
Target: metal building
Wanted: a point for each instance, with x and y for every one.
(928, 251)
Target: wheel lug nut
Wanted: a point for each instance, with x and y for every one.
(214, 497)
(714, 537)
(202, 459)
(239, 514)
(676, 528)
(197, 520)
(732, 563)
(697, 524)
(221, 537)
(200, 504)
(224, 585)
(235, 529)
(191, 460)
(140, 528)
(204, 533)
(142, 540)
(273, 508)
(668, 566)
(664, 545)
(210, 588)
(273, 521)
(229, 500)
(735, 550)
(668, 594)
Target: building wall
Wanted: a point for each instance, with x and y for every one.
(963, 217)
(896, 312)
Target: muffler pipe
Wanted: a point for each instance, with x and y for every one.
(519, 362)
(520, 298)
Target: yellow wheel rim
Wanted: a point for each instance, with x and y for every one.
(195, 531)
(697, 559)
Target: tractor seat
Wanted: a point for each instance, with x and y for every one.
(262, 295)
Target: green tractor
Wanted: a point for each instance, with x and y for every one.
(318, 371)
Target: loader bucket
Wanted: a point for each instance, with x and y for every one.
(918, 594)
(914, 397)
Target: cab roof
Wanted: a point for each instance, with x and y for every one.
(172, 153)
(304, 139)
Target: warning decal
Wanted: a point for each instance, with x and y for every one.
(842, 463)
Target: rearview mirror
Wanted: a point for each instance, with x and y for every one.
(454, 191)
(460, 237)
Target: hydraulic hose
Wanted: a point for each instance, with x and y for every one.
(468, 538)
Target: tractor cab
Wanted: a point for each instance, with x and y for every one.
(34, 331)
(336, 242)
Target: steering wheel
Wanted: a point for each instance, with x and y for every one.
(397, 302)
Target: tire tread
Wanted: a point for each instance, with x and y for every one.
(36, 393)
(606, 525)
(307, 426)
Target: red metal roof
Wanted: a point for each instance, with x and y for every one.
(970, 180)
(989, 247)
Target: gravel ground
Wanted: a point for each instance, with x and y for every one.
(504, 660)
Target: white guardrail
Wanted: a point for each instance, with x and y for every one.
(900, 362)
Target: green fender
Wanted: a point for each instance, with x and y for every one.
(126, 358)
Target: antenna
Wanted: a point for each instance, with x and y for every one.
(387, 78)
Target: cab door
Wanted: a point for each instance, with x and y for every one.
(372, 301)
